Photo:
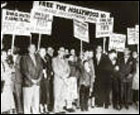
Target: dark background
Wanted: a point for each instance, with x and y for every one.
(124, 12)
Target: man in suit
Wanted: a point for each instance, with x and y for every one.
(32, 69)
(99, 87)
(127, 70)
(50, 74)
(104, 69)
(18, 80)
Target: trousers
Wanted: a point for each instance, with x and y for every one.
(31, 99)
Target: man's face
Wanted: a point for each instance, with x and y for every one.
(72, 52)
(42, 52)
(50, 51)
(91, 54)
(126, 52)
(9, 52)
(62, 53)
(113, 56)
(32, 49)
(66, 52)
(99, 49)
(4, 56)
(135, 55)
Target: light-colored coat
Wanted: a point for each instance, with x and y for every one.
(61, 72)
(135, 85)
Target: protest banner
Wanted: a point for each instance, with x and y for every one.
(41, 22)
(137, 34)
(104, 27)
(117, 42)
(70, 11)
(81, 30)
(131, 36)
(15, 22)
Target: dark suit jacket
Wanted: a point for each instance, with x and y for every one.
(18, 75)
(49, 67)
(100, 67)
(126, 69)
(30, 71)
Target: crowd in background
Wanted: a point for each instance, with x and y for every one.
(40, 82)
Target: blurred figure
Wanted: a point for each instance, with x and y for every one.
(50, 79)
(86, 83)
(7, 97)
(135, 83)
(92, 72)
(127, 70)
(72, 93)
(43, 83)
(100, 59)
(67, 53)
(18, 81)
(61, 72)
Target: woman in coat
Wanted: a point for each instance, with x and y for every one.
(135, 82)
(7, 98)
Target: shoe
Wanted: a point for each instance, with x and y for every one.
(117, 107)
(92, 107)
(62, 112)
(78, 107)
(86, 109)
(70, 110)
(46, 112)
(121, 107)
(106, 106)
(99, 105)
(127, 107)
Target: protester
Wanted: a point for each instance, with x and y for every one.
(86, 83)
(32, 70)
(112, 70)
(61, 72)
(50, 78)
(92, 72)
(135, 83)
(116, 86)
(109, 70)
(18, 81)
(127, 70)
(100, 79)
(43, 83)
(7, 97)
(72, 93)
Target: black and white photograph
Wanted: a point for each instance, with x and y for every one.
(70, 57)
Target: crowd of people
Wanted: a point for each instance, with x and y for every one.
(39, 82)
